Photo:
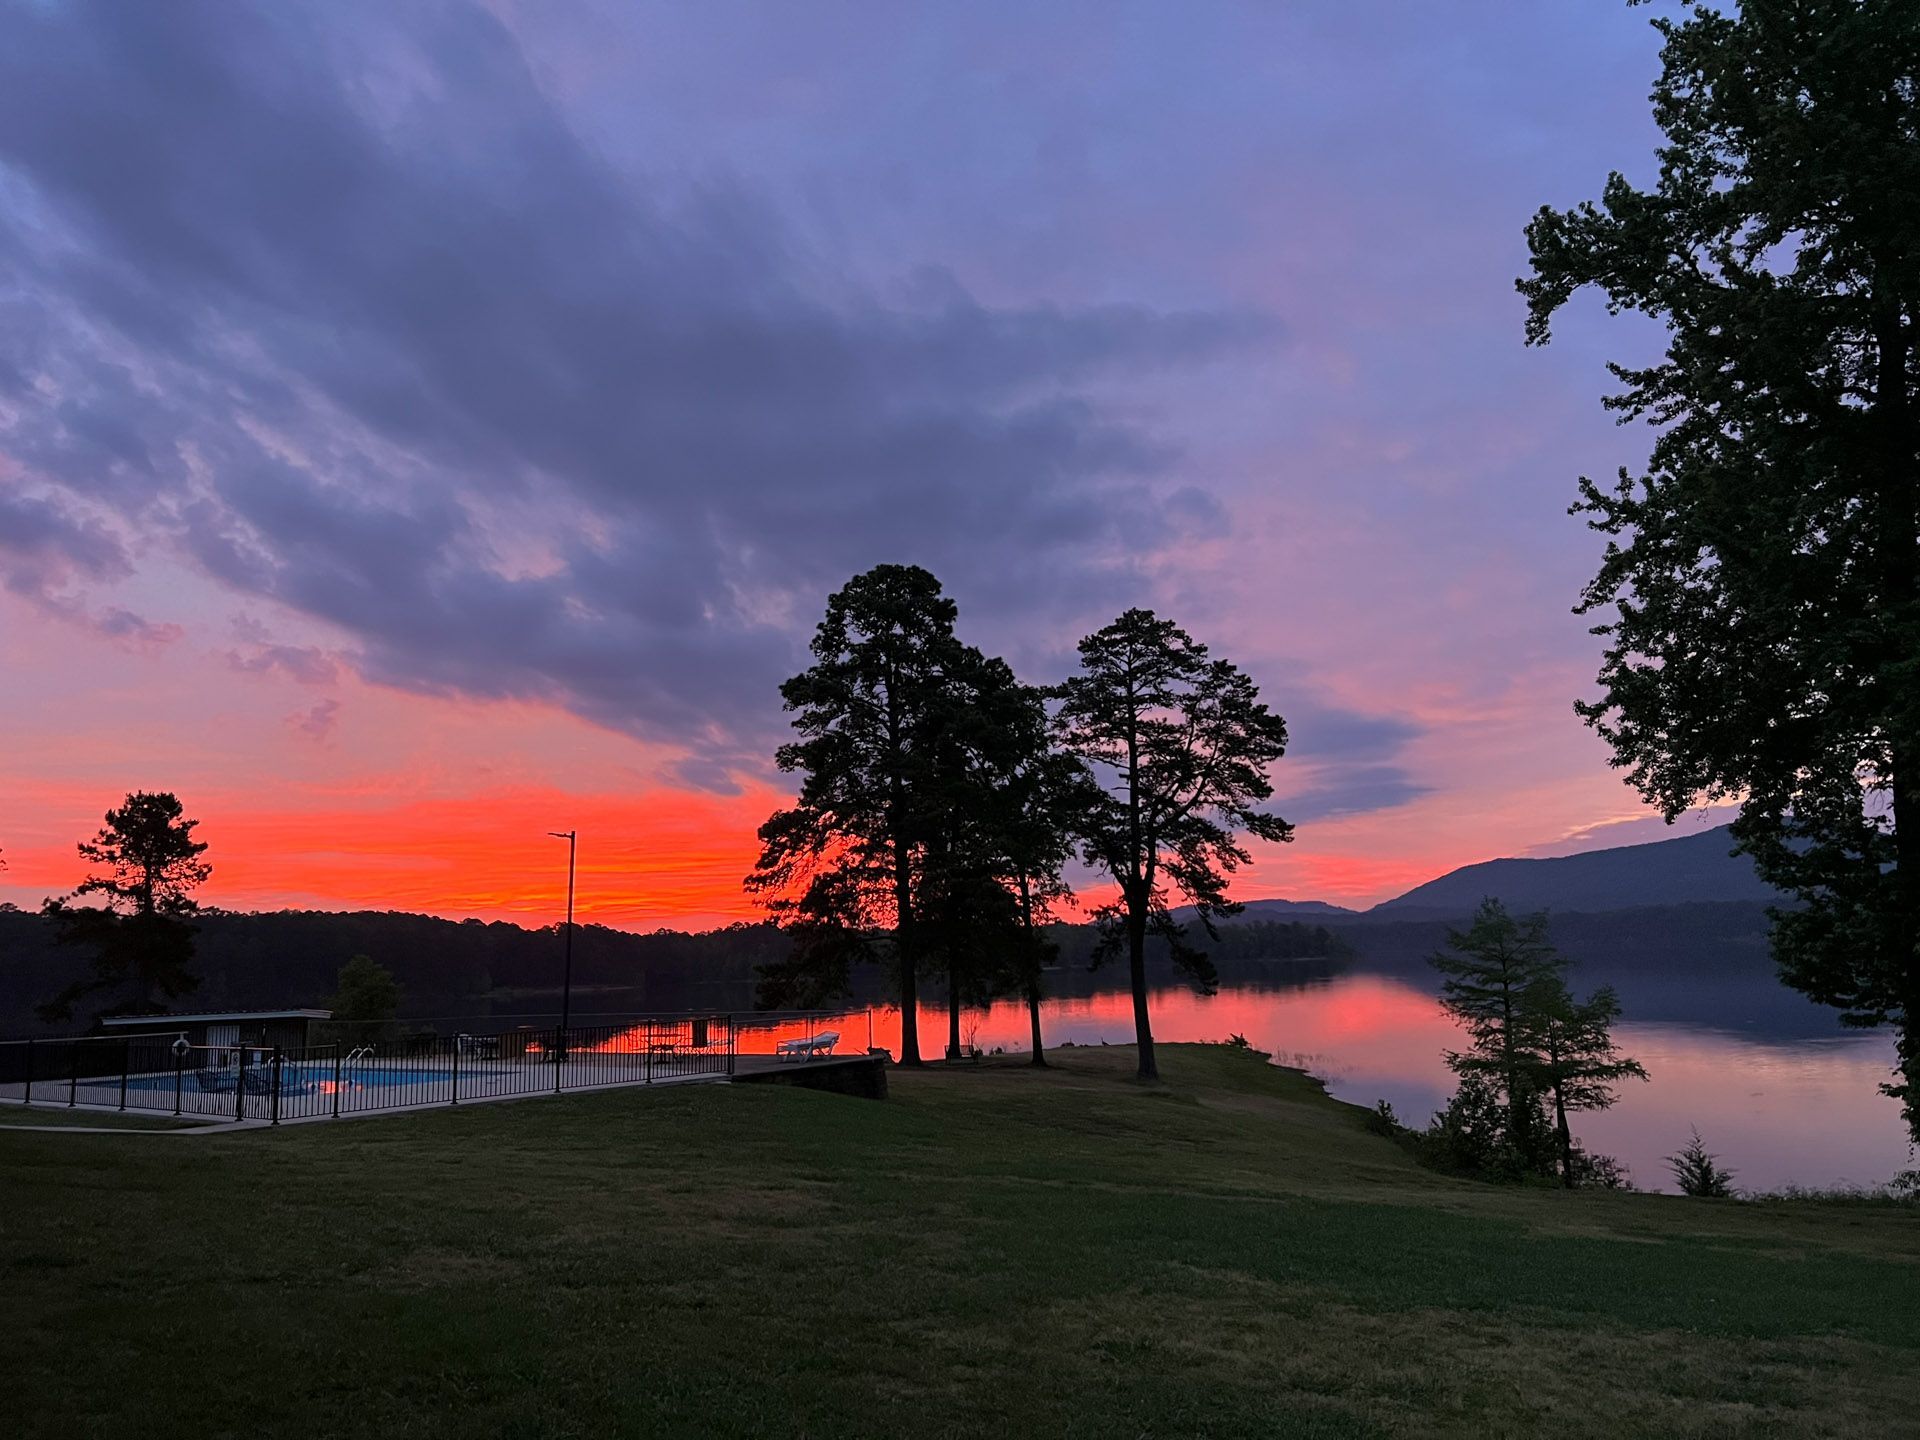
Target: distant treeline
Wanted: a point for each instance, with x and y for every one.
(449, 967)
(1723, 936)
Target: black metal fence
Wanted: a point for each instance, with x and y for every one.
(164, 1074)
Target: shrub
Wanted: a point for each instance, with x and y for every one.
(1599, 1172)
(1903, 1191)
(1697, 1171)
(1382, 1121)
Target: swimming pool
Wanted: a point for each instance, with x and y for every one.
(300, 1077)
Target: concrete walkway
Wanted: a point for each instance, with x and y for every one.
(203, 1124)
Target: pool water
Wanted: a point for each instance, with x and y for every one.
(296, 1076)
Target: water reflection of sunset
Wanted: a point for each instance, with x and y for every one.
(1792, 1112)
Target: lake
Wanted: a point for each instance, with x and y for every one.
(1779, 1090)
(1779, 1109)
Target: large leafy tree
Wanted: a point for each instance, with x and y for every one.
(366, 1003)
(847, 867)
(146, 867)
(1760, 590)
(1179, 744)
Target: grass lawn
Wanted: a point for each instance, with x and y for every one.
(994, 1251)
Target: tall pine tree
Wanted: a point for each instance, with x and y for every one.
(882, 856)
(146, 867)
(1180, 744)
(1494, 972)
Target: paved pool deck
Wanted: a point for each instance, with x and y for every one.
(100, 1097)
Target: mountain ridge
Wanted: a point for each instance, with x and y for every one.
(1682, 870)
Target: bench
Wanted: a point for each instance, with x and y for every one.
(806, 1049)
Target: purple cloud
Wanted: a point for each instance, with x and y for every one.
(354, 319)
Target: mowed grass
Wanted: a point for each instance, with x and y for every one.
(991, 1251)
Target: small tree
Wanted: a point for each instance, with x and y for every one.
(1494, 971)
(1697, 1171)
(366, 1002)
(1578, 1065)
(1469, 1136)
(1179, 744)
(148, 865)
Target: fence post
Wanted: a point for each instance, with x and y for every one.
(126, 1063)
(240, 1083)
(73, 1072)
(559, 1056)
(336, 1079)
(455, 1098)
(647, 1041)
(274, 1105)
(27, 1099)
(730, 1045)
(179, 1068)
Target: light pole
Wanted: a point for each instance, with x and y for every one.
(572, 837)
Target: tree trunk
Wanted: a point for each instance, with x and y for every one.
(1137, 967)
(904, 939)
(1566, 1137)
(953, 1009)
(1033, 973)
(1519, 1133)
(909, 1013)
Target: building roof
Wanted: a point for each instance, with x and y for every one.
(216, 1016)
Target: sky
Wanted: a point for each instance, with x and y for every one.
(426, 427)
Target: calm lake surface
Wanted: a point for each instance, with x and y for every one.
(1795, 1109)
(1779, 1090)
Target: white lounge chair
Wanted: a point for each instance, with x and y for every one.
(805, 1048)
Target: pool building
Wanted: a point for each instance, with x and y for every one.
(227, 1029)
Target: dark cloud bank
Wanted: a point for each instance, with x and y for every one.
(334, 304)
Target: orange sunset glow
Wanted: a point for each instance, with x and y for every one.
(390, 597)
(442, 804)
(863, 719)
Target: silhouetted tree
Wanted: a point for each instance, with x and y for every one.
(1697, 1171)
(844, 867)
(1496, 971)
(148, 865)
(366, 1001)
(1764, 574)
(1179, 744)
(1037, 796)
(969, 922)
(1577, 1064)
